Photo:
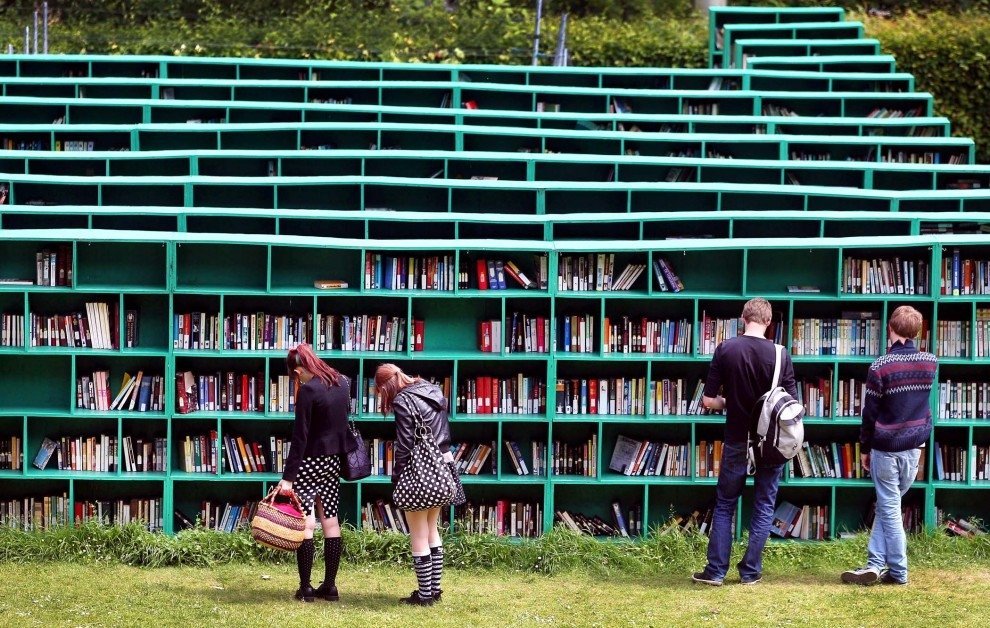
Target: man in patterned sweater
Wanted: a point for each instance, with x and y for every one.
(897, 421)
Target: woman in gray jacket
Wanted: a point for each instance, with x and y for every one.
(408, 397)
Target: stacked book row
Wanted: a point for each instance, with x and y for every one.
(595, 272)
(668, 397)
(983, 332)
(53, 267)
(259, 331)
(641, 335)
(527, 333)
(829, 460)
(219, 392)
(619, 395)
(96, 328)
(382, 516)
(962, 275)
(121, 512)
(79, 453)
(225, 517)
(963, 400)
(431, 272)
(366, 332)
(854, 333)
(138, 393)
(282, 393)
(199, 453)
(644, 457)
(800, 522)
(953, 339)
(11, 330)
(519, 394)
(11, 453)
(35, 513)
(538, 458)
(885, 276)
(473, 458)
(244, 456)
(715, 330)
(143, 455)
(958, 463)
(501, 518)
(816, 396)
(369, 392)
(623, 524)
(575, 458)
(576, 334)
(496, 274)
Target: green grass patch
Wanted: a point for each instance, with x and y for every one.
(261, 595)
(558, 551)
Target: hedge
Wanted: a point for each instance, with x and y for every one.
(945, 51)
(948, 57)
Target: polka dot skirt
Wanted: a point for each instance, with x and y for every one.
(319, 476)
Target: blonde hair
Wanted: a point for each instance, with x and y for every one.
(389, 380)
(757, 311)
(906, 322)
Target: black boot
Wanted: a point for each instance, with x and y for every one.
(417, 600)
(306, 593)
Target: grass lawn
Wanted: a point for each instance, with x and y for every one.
(38, 594)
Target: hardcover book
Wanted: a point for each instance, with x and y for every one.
(48, 447)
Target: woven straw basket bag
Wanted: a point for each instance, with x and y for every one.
(279, 525)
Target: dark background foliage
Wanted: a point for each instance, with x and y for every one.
(944, 43)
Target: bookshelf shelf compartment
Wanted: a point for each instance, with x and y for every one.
(211, 267)
(279, 174)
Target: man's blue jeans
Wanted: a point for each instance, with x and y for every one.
(731, 479)
(892, 473)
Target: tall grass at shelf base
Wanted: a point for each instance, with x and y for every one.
(557, 551)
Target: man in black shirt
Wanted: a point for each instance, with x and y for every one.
(742, 368)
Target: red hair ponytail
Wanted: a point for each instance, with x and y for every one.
(304, 356)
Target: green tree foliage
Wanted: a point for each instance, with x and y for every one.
(948, 56)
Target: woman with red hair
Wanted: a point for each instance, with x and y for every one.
(312, 468)
(409, 397)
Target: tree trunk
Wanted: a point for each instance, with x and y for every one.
(704, 5)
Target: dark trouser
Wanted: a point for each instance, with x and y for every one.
(731, 479)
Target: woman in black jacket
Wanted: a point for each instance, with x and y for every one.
(407, 397)
(312, 468)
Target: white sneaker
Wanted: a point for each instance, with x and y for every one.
(863, 575)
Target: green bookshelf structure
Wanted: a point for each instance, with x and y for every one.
(163, 187)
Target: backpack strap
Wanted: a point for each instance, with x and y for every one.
(778, 350)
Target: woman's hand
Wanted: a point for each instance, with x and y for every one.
(284, 487)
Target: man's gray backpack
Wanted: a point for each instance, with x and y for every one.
(779, 431)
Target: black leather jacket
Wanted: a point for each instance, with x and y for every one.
(428, 401)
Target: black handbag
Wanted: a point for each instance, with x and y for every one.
(356, 464)
(459, 497)
(426, 481)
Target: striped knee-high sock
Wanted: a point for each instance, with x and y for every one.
(423, 565)
(436, 553)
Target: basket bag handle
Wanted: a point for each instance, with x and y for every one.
(274, 492)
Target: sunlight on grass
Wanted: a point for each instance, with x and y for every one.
(260, 595)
